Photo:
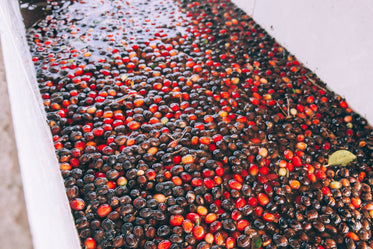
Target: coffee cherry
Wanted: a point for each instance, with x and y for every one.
(198, 232)
(160, 198)
(187, 226)
(103, 210)
(176, 220)
(90, 243)
(262, 199)
(187, 159)
(164, 244)
(230, 243)
(233, 184)
(242, 224)
(210, 218)
(77, 204)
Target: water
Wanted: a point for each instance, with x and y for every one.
(35, 10)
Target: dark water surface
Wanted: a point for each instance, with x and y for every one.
(35, 10)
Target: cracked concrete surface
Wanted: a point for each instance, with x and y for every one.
(14, 228)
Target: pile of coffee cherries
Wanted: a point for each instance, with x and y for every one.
(183, 124)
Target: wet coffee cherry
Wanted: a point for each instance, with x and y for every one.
(243, 241)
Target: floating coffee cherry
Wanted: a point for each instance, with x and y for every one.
(77, 204)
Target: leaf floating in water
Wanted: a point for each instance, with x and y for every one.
(256, 242)
(123, 77)
(341, 157)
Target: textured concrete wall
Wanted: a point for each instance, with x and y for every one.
(14, 228)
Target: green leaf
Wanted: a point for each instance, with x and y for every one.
(341, 157)
(256, 242)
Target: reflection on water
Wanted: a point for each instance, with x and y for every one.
(34, 10)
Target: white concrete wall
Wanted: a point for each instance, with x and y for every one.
(50, 219)
(14, 227)
(334, 38)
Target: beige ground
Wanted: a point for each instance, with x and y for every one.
(14, 229)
